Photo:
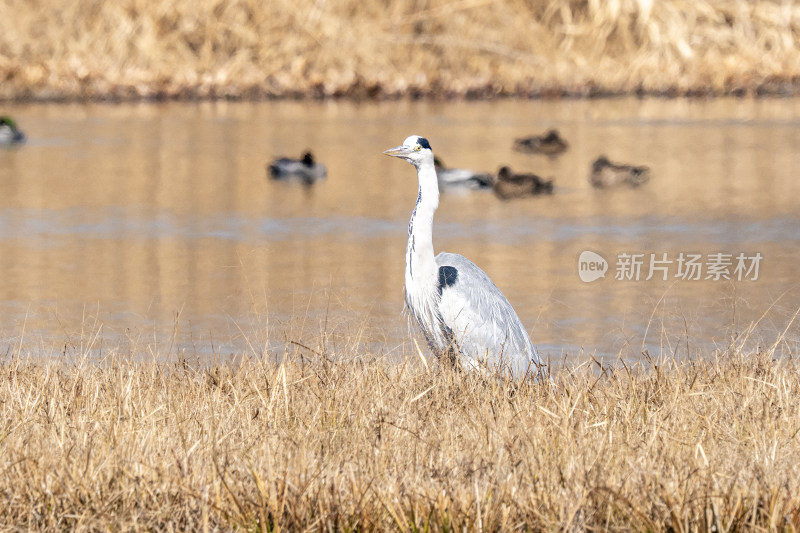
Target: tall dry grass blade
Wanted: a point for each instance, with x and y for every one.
(421, 394)
(421, 355)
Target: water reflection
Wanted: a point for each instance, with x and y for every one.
(132, 215)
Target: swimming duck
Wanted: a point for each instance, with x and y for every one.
(607, 174)
(9, 133)
(550, 144)
(306, 169)
(452, 178)
(509, 185)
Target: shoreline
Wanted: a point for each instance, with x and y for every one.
(778, 90)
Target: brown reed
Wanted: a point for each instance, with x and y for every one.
(63, 49)
(359, 443)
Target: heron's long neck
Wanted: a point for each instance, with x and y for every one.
(420, 264)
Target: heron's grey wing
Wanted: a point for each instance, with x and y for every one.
(485, 326)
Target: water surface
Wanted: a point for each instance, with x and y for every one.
(153, 227)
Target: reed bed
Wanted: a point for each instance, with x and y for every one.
(61, 49)
(361, 443)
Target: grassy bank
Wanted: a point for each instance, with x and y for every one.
(364, 444)
(243, 48)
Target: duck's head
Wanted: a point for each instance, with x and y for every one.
(9, 131)
(504, 173)
(308, 159)
(600, 163)
(415, 150)
(552, 136)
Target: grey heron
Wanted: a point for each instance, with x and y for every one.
(9, 132)
(465, 318)
(604, 174)
(460, 178)
(509, 185)
(551, 143)
(306, 170)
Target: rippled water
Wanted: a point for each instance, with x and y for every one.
(153, 226)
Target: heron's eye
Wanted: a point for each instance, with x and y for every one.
(417, 148)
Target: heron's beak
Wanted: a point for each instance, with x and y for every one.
(398, 151)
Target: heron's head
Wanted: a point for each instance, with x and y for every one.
(415, 150)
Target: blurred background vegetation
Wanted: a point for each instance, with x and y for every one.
(129, 49)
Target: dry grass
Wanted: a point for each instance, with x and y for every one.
(365, 444)
(279, 48)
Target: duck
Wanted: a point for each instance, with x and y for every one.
(9, 132)
(306, 169)
(459, 178)
(509, 185)
(551, 143)
(605, 174)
